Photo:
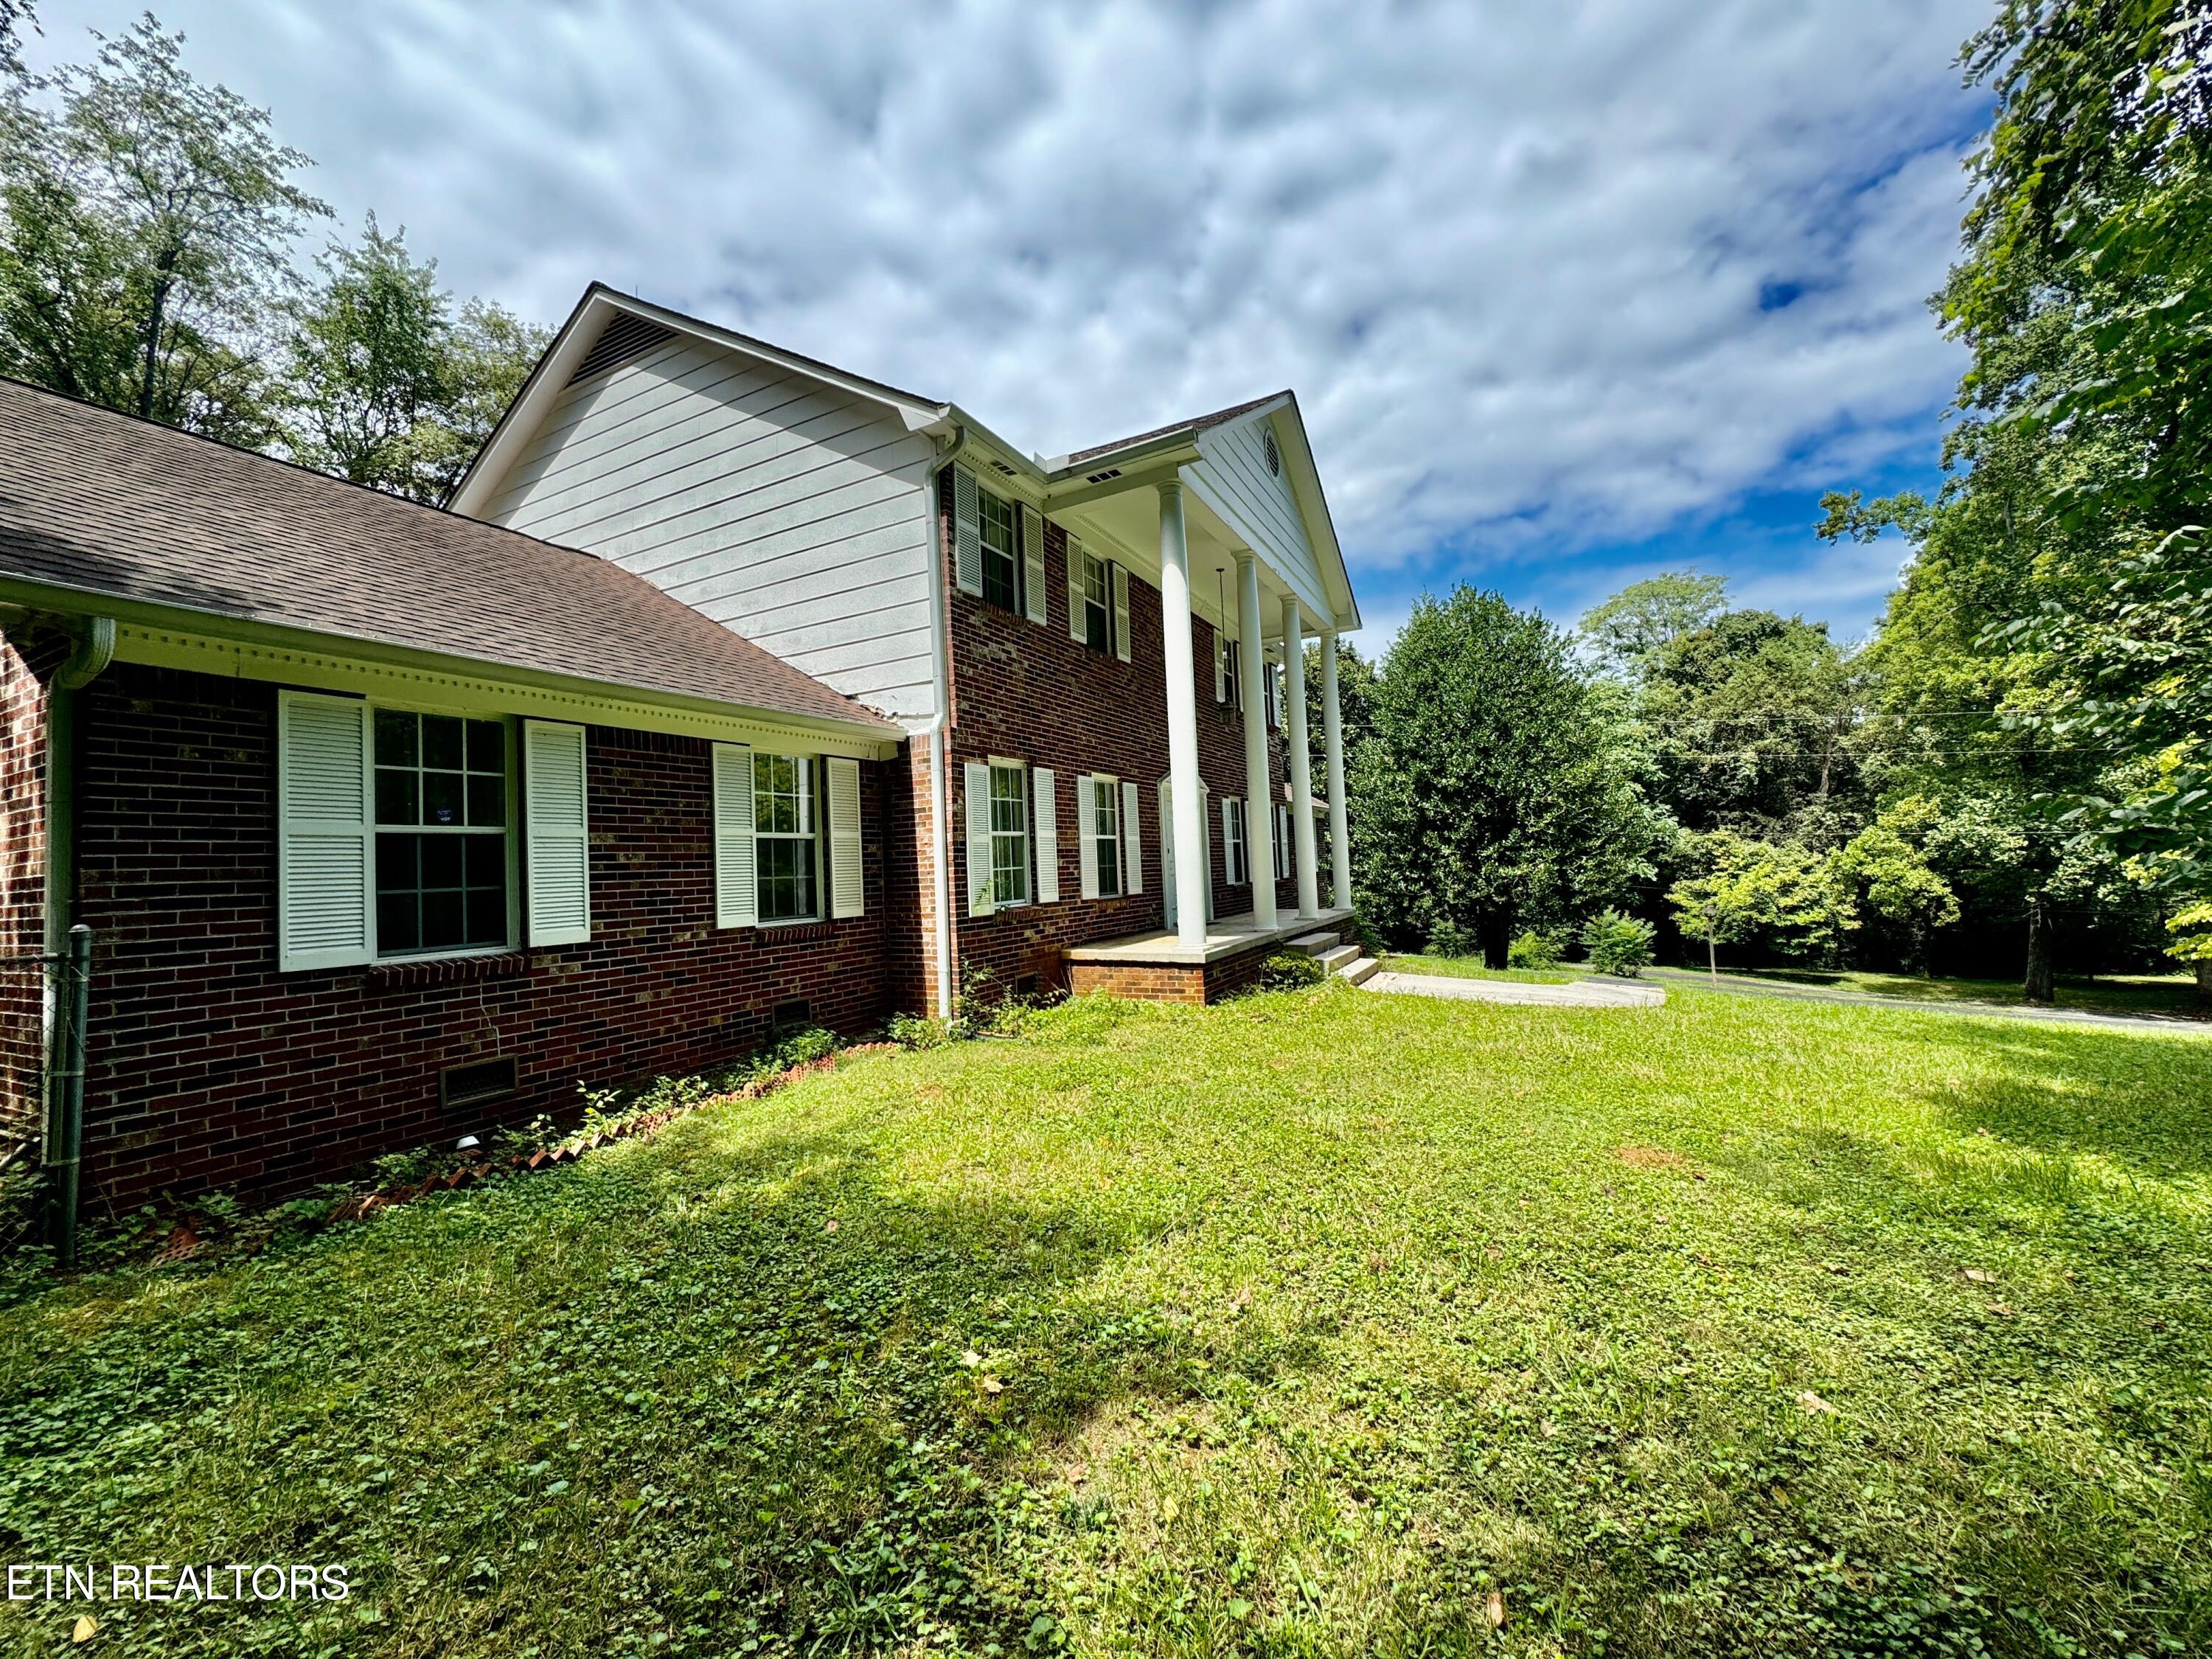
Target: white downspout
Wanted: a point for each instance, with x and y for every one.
(940, 727)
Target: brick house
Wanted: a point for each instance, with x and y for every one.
(1071, 645)
(734, 692)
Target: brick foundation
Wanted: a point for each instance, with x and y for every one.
(209, 1068)
(1165, 982)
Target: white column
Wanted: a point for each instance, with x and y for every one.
(1259, 800)
(1300, 762)
(1332, 727)
(1189, 826)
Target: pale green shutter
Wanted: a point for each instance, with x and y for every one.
(325, 864)
(558, 868)
(1133, 849)
(1086, 822)
(1033, 605)
(846, 881)
(1121, 586)
(735, 895)
(1079, 628)
(1047, 817)
(967, 533)
(977, 775)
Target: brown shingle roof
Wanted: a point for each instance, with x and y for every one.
(1197, 423)
(126, 508)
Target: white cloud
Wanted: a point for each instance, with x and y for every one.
(1512, 258)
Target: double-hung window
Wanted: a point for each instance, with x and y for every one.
(1105, 832)
(1233, 654)
(1232, 841)
(998, 524)
(1010, 834)
(786, 849)
(1280, 840)
(442, 859)
(1098, 603)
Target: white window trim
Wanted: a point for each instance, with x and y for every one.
(1107, 786)
(820, 836)
(1028, 834)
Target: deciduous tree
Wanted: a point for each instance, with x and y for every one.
(144, 226)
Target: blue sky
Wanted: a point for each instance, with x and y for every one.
(1570, 293)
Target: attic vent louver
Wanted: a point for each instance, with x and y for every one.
(625, 338)
(1274, 455)
(1101, 477)
(1000, 466)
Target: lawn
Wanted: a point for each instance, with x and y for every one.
(2113, 993)
(1472, 968)
(1318, 1323)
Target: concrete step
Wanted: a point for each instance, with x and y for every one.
(1314, 944)
(1359, 972)
(1340, 956)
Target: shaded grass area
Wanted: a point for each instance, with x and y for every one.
(2116, 994)
(1304, 1325)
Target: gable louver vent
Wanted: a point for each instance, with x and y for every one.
(625, 338)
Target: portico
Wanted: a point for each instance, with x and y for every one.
(1226, 518)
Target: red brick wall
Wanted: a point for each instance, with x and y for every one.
(1160, 982)
(25, 663)
(209, 1068)
(1028, 692)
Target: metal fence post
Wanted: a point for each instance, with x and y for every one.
(75, 1002)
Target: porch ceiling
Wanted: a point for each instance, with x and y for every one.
(1123, 520)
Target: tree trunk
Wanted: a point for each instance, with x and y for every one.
(150, 361)
(2204, 980)
(1495, 931)
(2040, 983)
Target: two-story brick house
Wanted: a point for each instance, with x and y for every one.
(1087, 652)
(734, 690)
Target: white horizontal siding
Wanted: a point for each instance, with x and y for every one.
(791, 511)
(1232, 469)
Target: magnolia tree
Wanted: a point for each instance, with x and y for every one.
(1493, 786)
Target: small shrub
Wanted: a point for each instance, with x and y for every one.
(1533, 950)
(535, 1136)
(917, 1031)
(1449, 938)
(1290, 970)
(405, 1168)
(799, 1048)
(1617, 944)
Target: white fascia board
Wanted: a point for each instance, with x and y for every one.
(179, 636)
(581, 331)
(1343, 610)
(979, 447)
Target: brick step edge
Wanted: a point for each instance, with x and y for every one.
(1359, 972)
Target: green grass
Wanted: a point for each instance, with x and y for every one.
(2119, 993)
(1296, 1327)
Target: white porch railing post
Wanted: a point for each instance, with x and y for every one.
(1189, 831)
(1259, 799)
(1331, 726)
(1300, 761)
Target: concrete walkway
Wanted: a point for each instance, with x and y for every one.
(2172, 1023)
(1582, 993)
